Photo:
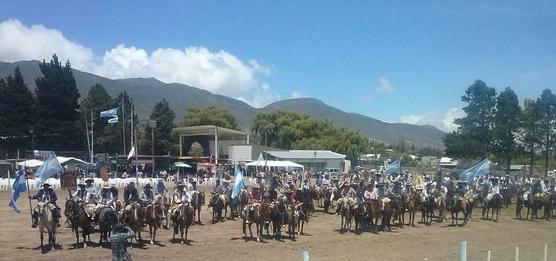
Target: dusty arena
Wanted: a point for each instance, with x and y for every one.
(322, 239)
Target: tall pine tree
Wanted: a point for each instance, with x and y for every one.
(546, 109)
(58, 125)
(164, 117)
(16, 113)
(506, 126)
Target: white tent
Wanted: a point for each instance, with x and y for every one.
(32, 163)
(274, 163)
(182, 165)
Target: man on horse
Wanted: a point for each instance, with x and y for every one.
(91, 191)
(147, 196)
(46, 194)
(346, 191)
(80, 194)
(494, 188)
(180, 197)
(131, 195)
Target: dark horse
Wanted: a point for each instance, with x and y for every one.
(133, 216)
(197, 200)
(182, 218)
(217, 203)
(75, 213)
(279, 217)
(106, 219)
(427, 210)
(495, 203)
(459, 204)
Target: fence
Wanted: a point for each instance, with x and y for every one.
(463, 253)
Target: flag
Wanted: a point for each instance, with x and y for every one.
(48, 169)
(112, 113)
(17, 187)
(238, 183)
(113, 120)
(394, 167)
(481, 169)
(131, 153)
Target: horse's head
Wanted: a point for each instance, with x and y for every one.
(201, 196)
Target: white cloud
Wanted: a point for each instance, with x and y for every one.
(261, 96)
(384, 87)
(20, 42)
(218, 72)
(297, 95)
(443, 121)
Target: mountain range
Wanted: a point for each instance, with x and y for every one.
(147, 91)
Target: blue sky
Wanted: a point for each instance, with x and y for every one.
(398, 62)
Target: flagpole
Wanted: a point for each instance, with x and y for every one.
(28, 190)
(92, 136)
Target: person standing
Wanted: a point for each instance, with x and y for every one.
(118, 242)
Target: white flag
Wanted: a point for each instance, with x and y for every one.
(131, 153)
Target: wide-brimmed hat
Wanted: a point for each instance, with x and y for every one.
(131, 184)
(81, 183)
(148, 185)
(180, 184)
(105, 186)
(256, 185)
(46, 184)
(160, 181)
(89, 180)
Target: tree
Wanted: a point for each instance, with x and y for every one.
(210, 115)
(475, 129)
(16, 112)
(196, 150)
(529, 134)
(58, 126)
(546, 109)
(164, 117)
(506, 125)
(98, 100)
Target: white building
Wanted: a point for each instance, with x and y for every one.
(312, 159)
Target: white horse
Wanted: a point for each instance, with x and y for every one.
(46, 222)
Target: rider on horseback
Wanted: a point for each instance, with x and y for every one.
(80, 194)
(147, 196)
(48, 195)
(130, 194)
(106, 200)
(494, 188)
(180, 197)
(346, 191)
(91, 191)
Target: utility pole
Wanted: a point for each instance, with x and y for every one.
(92, 136)
(123, 123)
(152, 124)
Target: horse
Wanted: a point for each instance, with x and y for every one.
(253, 216)
(373, 212)
(77, 217)
(440, 204)
(197, 200)
(303, 217)
(346, 213)
(412, 206)
(293, 218)
(46, 221)
(217, 202)
(387, 213)
(470, 200)
(327, 198)
(278, 216)
(546, 203)
(132, 216)
(242, 200)
(495, 203)
(153, 214)
(398, 206)
(359, 214)
(459, 204)
(182, 218)
(427, 210)
(107, 218)
(507, 193)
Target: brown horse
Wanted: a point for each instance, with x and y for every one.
(75, 213)
(217, 202)
(412, 206)
(253, 216)
(197, 200)
(459, 205)
(387, 213)
(346, 213)
(132, 216)
(153, 214)
(373, 212)
(293, 218)
(182, 218)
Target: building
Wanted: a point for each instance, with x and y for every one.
(312, 159)
(429, 161)
(446, 162)
(247, 152)
(214, 140)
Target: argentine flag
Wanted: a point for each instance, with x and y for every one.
(238, 183)
(112, 113)
(481, 169)
(17, 188)
(394, 167)
(48, 169)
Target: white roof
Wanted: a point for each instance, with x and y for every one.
(446, 160)
(182, 165)
(32, 163)
(274, 163)
(306, 154)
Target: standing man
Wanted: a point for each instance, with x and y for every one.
(118, 241)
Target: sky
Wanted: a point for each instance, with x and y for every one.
(408, 61)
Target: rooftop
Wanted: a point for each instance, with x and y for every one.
(306, 154)
(208, 130)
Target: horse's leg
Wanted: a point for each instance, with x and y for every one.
(181, 234)
(186, 231)
(151, 233)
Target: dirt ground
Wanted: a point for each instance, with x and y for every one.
(323, 241)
